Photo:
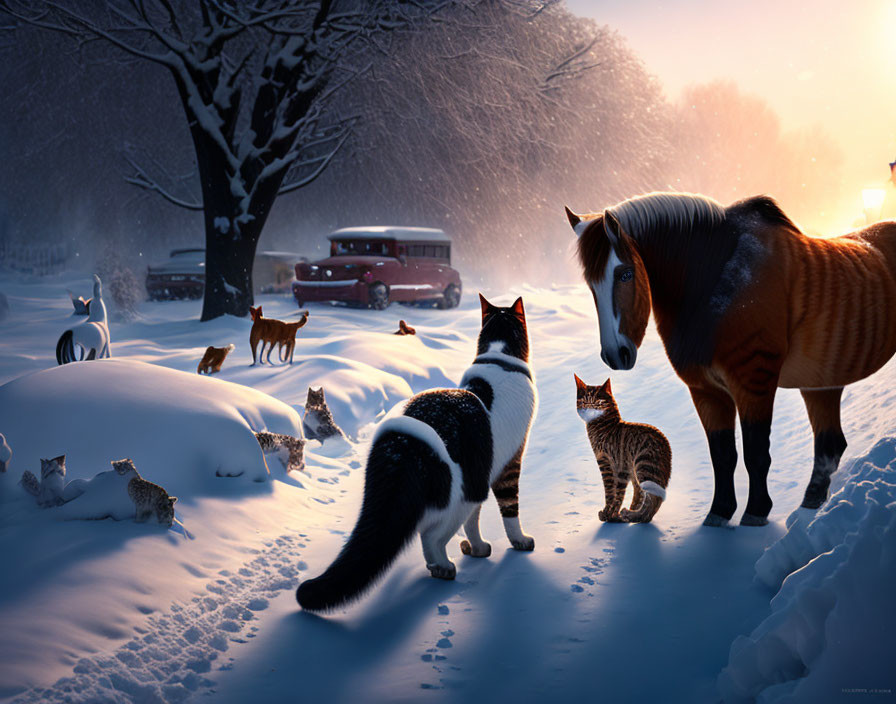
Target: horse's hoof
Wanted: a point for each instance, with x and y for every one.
(748, 519)
(714, 520)
(815, 500)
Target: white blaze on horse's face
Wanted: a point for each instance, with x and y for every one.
(617, 350)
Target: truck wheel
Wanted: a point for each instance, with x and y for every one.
(378, 296)
(451, 297)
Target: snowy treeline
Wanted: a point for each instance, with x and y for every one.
(38, 258)
(485, 123)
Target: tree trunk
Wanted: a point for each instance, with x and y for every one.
(228, 272)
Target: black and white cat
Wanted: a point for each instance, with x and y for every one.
(433, 461)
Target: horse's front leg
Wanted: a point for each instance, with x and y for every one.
(716, 410)
(823, 406)
(755, 410)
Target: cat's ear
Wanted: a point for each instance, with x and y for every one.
(172, 500)
(486, 306)
(579, 383)
(59, 460)
(606, 387)
(517, 308)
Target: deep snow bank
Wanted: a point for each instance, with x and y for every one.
(183, 431)
(832, 629)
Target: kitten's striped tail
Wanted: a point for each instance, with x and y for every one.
(30, 483)
(65, 348)
(392, 508)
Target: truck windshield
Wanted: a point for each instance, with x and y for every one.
(359, 247)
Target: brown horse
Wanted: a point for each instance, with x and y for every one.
(744, 303)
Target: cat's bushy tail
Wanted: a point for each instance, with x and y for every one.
(393, 505)
(65, 348)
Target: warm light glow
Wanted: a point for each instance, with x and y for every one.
(873, 201)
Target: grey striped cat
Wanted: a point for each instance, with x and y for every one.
(290, 450)
(318, 423)
(625, 452)
(48, 490)
(149, 499)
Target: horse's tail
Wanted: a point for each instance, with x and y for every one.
(65, 348)
(392, 508)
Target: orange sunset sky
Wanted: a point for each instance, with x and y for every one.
(828, 63)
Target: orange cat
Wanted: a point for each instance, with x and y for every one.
(213, 359)
(273, 332)
(404, 329)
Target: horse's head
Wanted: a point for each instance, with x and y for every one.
(616, 276)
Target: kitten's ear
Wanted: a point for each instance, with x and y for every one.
(517, 308)
(579, 383)
(606, 387)
(59, 460)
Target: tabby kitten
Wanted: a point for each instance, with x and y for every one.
(148, 498)
(52, 480)
(625, 452)
(318, 422)
(294, 447)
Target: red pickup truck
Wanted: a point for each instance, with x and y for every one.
(373, 266)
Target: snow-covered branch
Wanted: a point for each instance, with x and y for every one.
(142, 180)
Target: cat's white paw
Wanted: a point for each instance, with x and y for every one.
(482, 550)
(448, 571)
(526, 543)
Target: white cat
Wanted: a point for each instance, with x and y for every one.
(92, 336)
(5, 454)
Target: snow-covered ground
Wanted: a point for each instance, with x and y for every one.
(670, 611)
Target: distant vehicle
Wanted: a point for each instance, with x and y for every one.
(373, 266)
(182, 276)
(273, 272)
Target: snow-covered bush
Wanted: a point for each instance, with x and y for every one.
(838, 567)
(121, 287)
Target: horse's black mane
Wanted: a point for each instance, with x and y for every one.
(767, 207)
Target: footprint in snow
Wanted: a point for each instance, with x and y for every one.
(168, 654)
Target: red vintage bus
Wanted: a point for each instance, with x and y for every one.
(373, 266)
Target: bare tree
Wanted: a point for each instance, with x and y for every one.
(255, 78)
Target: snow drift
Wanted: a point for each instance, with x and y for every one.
(183, 431)
(831, 626)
